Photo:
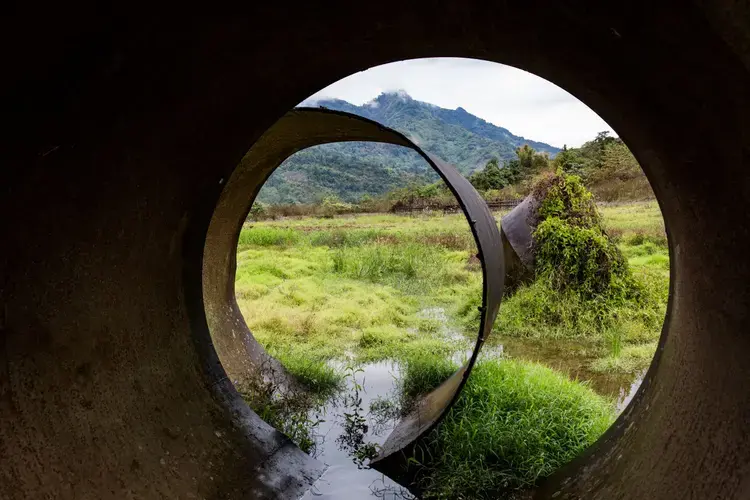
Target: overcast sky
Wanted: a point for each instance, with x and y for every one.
(525, 104)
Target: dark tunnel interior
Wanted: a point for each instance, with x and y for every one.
(122, 131)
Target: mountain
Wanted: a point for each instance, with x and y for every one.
(351, 170)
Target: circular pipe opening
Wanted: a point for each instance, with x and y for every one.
(242, 353)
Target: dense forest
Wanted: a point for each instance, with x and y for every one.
(605, 166)
(349, 171)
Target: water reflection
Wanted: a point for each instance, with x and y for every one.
(353, 424)
(627, 393)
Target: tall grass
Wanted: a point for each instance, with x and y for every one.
(268, 236)
(631, 359)
(338, 238)
(410, 267)
(614, 338)
(315, 375)
(514, 423)
(423, 372)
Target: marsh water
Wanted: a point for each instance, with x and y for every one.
(363, 414)
(337, 439)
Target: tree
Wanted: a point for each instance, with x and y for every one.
(618, 162)
(603, 139)
(530, 161)
(526, 164)
(491, 177)
(569, 161)
(527, 158)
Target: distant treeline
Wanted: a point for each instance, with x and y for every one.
(605, 165)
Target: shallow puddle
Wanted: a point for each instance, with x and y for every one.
(349, 428)
(574, 359)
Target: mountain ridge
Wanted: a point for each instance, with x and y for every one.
(352, 170)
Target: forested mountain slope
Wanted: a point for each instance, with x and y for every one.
(351, 170)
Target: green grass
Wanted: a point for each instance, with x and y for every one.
(538, 311)
(632, 358)
(353, 284)
(423, 372)
(514, 423)
(288, 408)
(630, 219)
(357, 284)
(316, 376)
(268, 236)
(356, 288)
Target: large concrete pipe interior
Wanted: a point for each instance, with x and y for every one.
(121, 134)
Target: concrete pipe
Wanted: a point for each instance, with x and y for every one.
(122, 130)
(241, 356)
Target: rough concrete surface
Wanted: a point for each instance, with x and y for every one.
(121, 127)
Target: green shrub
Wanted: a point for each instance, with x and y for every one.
(575, 256)
(258, 211)
(583, 286)
(579, 258)
(332, 206)
(566, 198)
(572, 250)
(537, 310)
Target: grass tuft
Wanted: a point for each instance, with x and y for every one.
(514, 424)
(318, 377)
(423, 372)
(268, 236)
(632, 359)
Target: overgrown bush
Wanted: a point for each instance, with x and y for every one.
(572, 251)
(332, 206)
(581, 259)
(583, 286)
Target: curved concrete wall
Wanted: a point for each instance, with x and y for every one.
(241, 356)
(121, 132)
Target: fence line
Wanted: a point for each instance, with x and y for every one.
(494, 205)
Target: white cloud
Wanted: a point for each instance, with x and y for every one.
(525, 104)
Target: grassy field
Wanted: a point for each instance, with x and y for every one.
(364, 286)
(355, 286)
(372, 287)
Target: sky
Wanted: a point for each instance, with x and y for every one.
(521, 102)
